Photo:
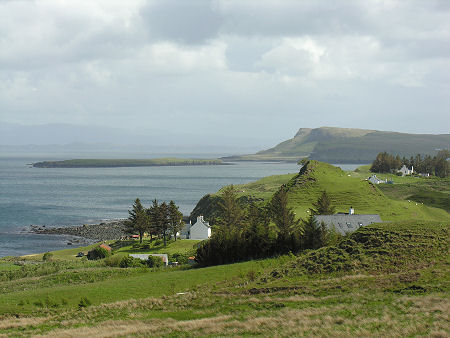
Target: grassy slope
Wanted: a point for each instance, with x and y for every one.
(104, 163)
(389, 279)
(346, 189)
(431, 191)
(350, 189)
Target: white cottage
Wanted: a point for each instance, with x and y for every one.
(375, 180)
(405, 171)
(200, 230)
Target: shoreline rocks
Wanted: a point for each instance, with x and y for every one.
(108, 230)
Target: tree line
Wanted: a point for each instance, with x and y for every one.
(160, 219)
(437, 165)
(261, 231)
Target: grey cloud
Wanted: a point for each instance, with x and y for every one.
(191, 22)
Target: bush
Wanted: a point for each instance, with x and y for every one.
(98, 253)
(113, 260)
(84, 302)
(181, 258)
(48, 256)
(154, 262)
(130, 262)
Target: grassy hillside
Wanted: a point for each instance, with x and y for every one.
(345, 145)
(345, 189)
(113, 163)
(431, 191)
(384, 280)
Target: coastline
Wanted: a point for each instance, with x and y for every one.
(107, 230)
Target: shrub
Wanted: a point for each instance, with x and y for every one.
(84, 302)
(154, 262)
(98, 253)
(113, 260)
(145, 246)
(130, 262)
(48, 256)
(181, 258)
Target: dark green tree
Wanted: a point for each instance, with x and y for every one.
(230, 212)
(257, 234)
(138, 220)
(323, 205)
(289, 229)
(314, 235)
(441, 165)
(175, 218)
(159, 215)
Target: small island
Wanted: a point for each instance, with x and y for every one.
(115, 163)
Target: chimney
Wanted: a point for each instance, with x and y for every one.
(351, 211)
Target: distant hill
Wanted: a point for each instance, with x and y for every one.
(346, 145)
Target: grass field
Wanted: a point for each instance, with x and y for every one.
(179, 246)
(390, 279)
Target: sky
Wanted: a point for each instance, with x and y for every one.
(254, 71)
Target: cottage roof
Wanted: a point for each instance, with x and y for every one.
(344, 223)
(201, 220)
(105, 246)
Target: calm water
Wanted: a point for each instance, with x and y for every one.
(44, 196)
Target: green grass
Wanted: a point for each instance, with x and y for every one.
(389, 279)
(105, 163)
(66, 254)
(345, 189)
(179, 246)
(431, 191)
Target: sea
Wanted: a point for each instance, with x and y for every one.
(75, 196)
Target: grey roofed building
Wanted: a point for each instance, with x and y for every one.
(345, 223)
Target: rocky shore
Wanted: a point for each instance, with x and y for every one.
(99, 232)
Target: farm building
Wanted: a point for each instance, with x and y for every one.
(346, 223)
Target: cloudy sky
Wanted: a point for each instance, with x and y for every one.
(228, 68)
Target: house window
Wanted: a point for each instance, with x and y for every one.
(360, 224)
(349, 224)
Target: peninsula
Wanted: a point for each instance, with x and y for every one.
(115, 163)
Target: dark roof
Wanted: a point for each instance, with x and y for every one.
(344, 223)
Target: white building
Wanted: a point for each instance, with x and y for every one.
(144, 257)
(375, 180)
(200, 230)
(405, 171)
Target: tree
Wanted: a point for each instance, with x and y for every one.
(230, 213)
(256, 233)
(314, 235)
(159, 215)
(175, 219)
(286, 222)
(138, 220)
(441, 165)
(323, 205)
